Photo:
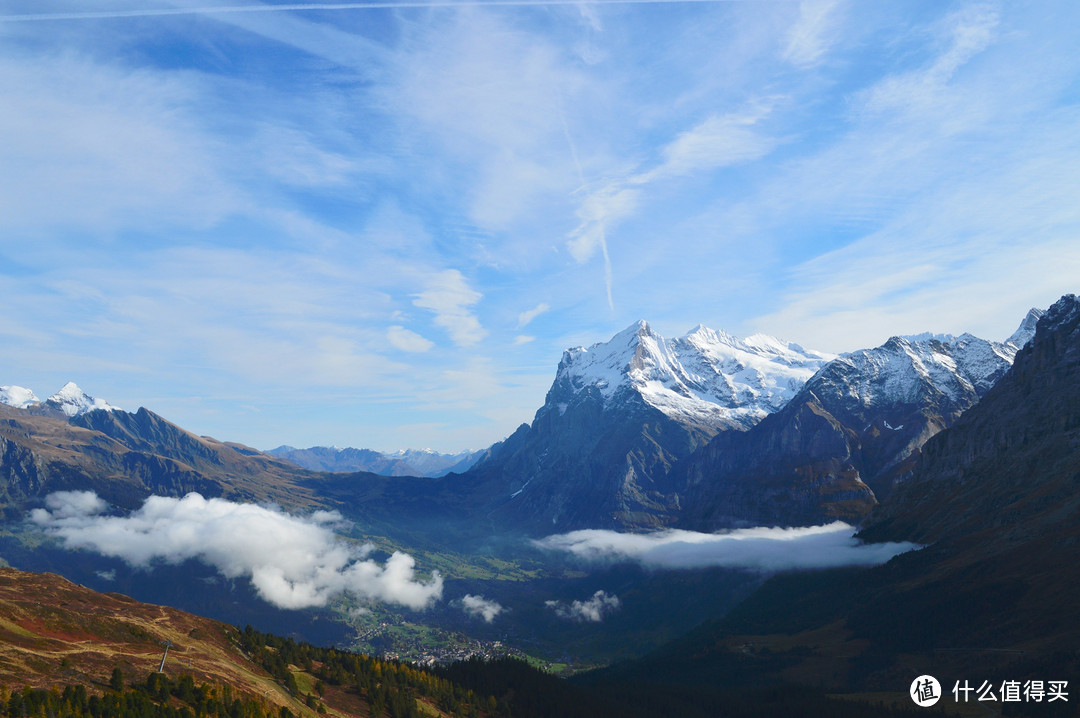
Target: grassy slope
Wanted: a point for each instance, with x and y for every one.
(55, 633)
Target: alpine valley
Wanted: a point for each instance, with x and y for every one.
(671, 517)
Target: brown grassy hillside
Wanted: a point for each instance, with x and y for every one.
(53, 632)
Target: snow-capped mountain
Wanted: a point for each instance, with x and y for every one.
(17, 396)
(708, 377)
(620, 414)
(70, 400)
(1011, 459)
(849, 436)
(407, 462)
(73, 401)
(902, 367)
(712, 431)
(429, 462)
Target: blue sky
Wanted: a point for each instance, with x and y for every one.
(380, 227)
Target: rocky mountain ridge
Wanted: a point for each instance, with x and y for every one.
(994, 500)
(620, 414)
(706, 377)
(635, 434)
(406, 462)
(710, 431)
(848, 437)
(1017, 457)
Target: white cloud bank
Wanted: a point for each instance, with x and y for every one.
(591, 611)
(293, 562)
(763, 549)
(481, 607)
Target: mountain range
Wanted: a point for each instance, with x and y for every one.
(994, 499)
(406, 462)
(848, 437)
(707, 431)
(70, 400)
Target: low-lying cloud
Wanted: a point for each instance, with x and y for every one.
(763, 549)
(481, 607)
(292, 562)
(592, 610)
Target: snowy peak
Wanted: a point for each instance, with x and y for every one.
(606, 365)
(1026, 330)
(17, 396)
(73, 401)
(707, 376)
(904, 368)
(70, 400)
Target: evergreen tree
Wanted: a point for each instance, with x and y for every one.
(116, 681)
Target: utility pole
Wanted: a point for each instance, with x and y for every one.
(168, 645)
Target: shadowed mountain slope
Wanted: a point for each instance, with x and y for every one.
(997, 497)
(618, 417)
(847, 438)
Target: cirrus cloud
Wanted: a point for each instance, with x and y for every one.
(449, 297)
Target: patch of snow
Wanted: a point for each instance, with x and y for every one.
(73, 401)
(899, 370)
(17, 396)
(707, 376)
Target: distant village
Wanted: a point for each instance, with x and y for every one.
(385, 640)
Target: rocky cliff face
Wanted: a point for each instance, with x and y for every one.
(618, 417)
(847, 438)
(1011, 465)
(707, 378)
(996, 498)
(125, 457)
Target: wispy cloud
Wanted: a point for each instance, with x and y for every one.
(100, 138)
(407, 340)
(761, 549)
(714, 143)
(967, 33)
(449, 297)
(196, 9)
(809, 38)
(292, 562)
(935, 197)
(525, 318)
